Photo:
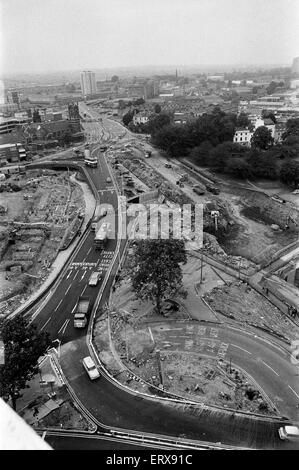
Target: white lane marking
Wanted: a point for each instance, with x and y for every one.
(83, 290)
(70, 272)
(68, 289)
(58, 305)
(270, 368)
(89, 250)
(73, 309)
(248, 352)
(45, 324)
(83, 275)
(84, 259)
(66, 324)
(75, 275)
(293, 391)
(63, 325)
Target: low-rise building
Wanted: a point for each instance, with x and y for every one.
(12, 153)
(243, 136)
(140, 118)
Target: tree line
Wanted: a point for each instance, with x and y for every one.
(208, 141)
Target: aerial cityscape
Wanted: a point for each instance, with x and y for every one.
(149, 221)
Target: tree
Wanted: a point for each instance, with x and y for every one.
(36, 116)
(23, 345)
(114, 79)
(157, 108)
(242, 120)
(272, 87)
(156, 271)
(127, 118)
(292, 128)
(262, 138)
(267, 114)
(263, 164)
(239, 168)
(200, 155)
(157, 122)
(289, 173)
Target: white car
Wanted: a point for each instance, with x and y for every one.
(94, 278)
(289, 433)
(108, 179)
(90, 368)
(296, 191)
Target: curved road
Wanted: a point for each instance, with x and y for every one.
(118, 408)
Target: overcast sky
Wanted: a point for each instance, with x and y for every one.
(42, 35)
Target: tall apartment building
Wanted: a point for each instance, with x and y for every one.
(295, 66)
(88, 83)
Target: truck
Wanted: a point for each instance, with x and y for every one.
(101, 237)
(100, 212)
(90, 159)
(80, 312)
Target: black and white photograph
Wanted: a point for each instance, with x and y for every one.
(149, 228)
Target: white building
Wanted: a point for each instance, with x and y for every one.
(140, 118)
(88, 83)
(243, 136)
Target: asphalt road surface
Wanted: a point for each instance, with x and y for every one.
(118, 408)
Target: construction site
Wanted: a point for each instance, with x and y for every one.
(41, 212)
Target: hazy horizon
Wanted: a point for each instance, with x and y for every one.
(40, 36)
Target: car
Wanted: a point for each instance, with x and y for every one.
(108, 179)
(90, 368)
(296, 191)
(289, 433)
(94, 278)
(212, 189)
(198, 190)
(277, 198)
(167, 165)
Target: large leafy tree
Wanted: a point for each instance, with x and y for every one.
(23, 345)
(292, 128)
(156, 269)
(289, 173)
(262, 138)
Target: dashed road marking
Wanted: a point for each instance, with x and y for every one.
(293, 391)
(239, 347)
(69, 274)
(270, 368)
(75, 275)
(68, 289)
(57, 307)
(45, 324)
(64, 325)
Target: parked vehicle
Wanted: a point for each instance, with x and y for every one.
(296, 191)
(108, 179)
(167, 165)
(198, 190)
(277, 198)
(90, 368)
(81, 311)
(212, 189)
(94, 278)
(289, 433)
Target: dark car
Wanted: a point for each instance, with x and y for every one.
(212, 189)
(198, 190)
